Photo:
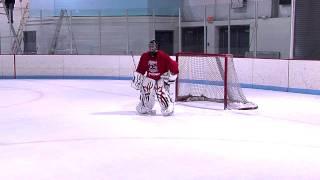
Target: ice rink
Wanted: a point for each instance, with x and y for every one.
(89, 130)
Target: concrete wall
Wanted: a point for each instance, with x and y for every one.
(219, 9)
(114, 33)
(105, 35)
(272, 74)
(273, 32)
(119, 35)
(277, 40)
(274, 35)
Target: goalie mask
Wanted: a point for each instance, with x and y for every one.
(153, 47)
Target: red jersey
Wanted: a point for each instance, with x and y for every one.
(157, 65)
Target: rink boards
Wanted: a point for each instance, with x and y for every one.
(272, 74)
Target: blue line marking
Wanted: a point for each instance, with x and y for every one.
(204, 82)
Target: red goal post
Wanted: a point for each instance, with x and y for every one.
(210, 77)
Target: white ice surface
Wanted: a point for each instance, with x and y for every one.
(88, 130)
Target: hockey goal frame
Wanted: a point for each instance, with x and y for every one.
(224, 77)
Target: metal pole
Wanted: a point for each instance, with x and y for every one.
(12, 37)
(71, 33)
(256, 29)
(205, 30)
(128, 33)
(100, 34)
(229, 28)
(21, 7)
(293, 20)
(0, 42)
(179, 30)
(153, 23)
(41, 16)
(41, 30)
(225, 83)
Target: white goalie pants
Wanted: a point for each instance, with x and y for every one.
(151, 88)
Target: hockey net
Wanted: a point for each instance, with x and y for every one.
(212, 78)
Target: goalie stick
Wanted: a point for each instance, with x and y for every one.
(133, 60)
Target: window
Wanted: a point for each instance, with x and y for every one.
(239, 42)
(192, 39)
(30, 42)
(238, 3)
(284, 2)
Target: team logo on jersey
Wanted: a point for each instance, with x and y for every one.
(153, 67)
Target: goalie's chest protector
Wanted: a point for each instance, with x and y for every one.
(154, 66)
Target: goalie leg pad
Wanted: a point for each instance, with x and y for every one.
(144, 110)
(147, 97)
(137, 80)
(164, 99)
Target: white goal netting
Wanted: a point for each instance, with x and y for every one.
(210, 77)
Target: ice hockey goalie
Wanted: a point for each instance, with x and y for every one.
(155, 73)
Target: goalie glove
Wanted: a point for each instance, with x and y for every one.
(137, 80)
(169, 78)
